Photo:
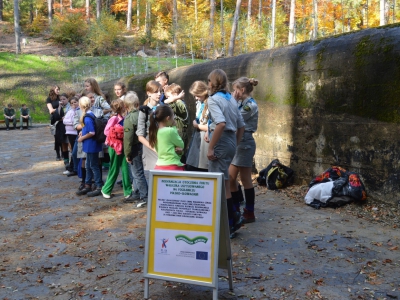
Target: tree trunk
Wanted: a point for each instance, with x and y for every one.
(137, 14)
(175, 19)
(70, 4)
(30, 12)
(273, 23)
(1, 10)
(129, 16)
(195, 11)
(234, 28)
(382, 12)
(148, 20)
(291, 21)
(315, 20)
(249, 12)
(87, 9)
(61, 7)
(259, 12)
(212, 13)
(98, 8)
(222, 28)
(17, 29)
(50, 10)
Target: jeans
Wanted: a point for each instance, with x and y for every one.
(75, 155)
(138, 175)
(93, 170)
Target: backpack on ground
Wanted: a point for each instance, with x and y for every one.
(99, 125)
(275, 176)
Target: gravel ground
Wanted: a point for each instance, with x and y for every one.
(56, 245)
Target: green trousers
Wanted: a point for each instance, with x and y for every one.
(117, 162)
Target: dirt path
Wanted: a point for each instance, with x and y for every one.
(56, 245)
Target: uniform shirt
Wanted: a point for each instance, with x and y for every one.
(9, 112)
(90, 145)
(167, 139)
(223, 108)
(24, 112)
(249, 110)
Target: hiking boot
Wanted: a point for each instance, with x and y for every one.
(84, 191)
(248, 216)
(72, 173)
(131, 198)
(96, 192)
(58, 158)
(81, 187)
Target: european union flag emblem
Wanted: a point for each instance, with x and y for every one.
(201, 255)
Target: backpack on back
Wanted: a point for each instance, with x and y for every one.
(99, 125)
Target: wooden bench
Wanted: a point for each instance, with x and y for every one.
(18, 125)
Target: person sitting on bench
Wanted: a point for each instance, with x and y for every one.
(9, 115)
(25, 117)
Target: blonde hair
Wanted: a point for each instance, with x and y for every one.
(131, 100)
(200, 89)
(84, 104)
(246, 83)
(173, 88)
(95, 87)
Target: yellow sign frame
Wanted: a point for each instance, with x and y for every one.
(220, 255)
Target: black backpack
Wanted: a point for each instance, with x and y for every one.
(100, 125)
(275, 176)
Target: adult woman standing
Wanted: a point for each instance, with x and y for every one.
(243, 160)
(225, 131)
(153, 90)
(197, 155)
(53, 105)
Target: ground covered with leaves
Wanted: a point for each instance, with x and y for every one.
(56, 245)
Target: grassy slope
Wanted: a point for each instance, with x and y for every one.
(28, 78)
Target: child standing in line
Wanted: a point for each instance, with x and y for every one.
(197, 154)
(133, 149)
(181, 114)
(243, 160)
(115, 135)
(92, 148)
(164, 137)
(226, 127)
(153, 90)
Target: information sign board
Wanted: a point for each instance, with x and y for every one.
(183, 240)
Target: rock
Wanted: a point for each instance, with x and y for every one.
(141, 53)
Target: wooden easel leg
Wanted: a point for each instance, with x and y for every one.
(146, 288)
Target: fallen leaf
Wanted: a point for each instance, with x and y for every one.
(393, 248)
(101, 276)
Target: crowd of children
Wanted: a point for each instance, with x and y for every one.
(154, 136)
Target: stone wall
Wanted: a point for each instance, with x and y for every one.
(328, 102)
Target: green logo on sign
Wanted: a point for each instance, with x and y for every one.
(195, 240)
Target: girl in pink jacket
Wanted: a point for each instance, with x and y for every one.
(114, 132)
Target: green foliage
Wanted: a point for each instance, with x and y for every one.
(38, 26)
(69, 28)
(103, 35)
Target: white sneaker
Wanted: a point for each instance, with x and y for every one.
(105, 195)
(66, 172)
